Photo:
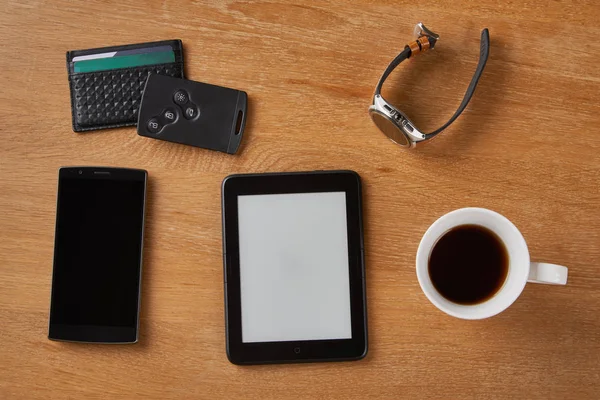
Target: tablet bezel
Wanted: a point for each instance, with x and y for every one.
(294, 351)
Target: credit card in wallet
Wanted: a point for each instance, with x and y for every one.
(123, 59)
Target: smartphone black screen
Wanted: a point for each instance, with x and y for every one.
(97, 255)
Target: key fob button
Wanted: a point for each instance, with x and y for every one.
(180, 97)
(190, 112)
(169, 115)
(153, 125)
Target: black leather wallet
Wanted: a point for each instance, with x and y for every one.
(111, 98)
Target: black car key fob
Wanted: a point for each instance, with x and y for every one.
(192, 113)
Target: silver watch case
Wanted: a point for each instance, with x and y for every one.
(394, 123)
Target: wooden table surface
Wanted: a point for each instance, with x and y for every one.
(527, 146)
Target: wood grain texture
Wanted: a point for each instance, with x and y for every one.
(527, 146)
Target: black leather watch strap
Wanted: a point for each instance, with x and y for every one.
(395, 62)
(484, 52)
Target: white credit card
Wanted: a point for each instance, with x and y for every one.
(94, 56)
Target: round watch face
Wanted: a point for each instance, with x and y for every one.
(390, 129)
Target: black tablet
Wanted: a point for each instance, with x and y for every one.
(294, 267)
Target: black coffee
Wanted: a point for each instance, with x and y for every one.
(469, 264)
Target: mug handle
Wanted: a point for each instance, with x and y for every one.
(550, 274)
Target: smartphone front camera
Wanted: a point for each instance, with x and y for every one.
(80, 172)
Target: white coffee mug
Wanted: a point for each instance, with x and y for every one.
(520, 269)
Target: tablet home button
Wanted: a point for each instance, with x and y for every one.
(297, 350)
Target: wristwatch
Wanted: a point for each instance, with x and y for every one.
(393, 122)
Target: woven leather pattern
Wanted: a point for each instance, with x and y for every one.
(109, 99)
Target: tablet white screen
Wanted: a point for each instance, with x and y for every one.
(294, 271)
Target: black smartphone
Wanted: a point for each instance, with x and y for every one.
(98, 243)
